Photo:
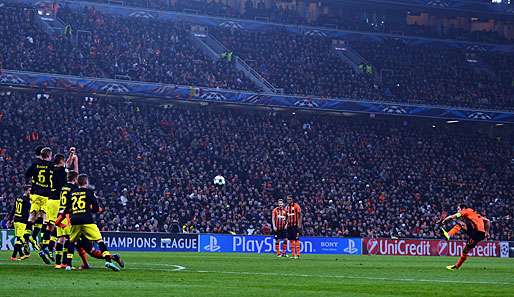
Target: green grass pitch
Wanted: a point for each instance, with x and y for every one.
(193, 274)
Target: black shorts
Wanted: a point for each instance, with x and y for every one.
(474, 238)
(292, 233)
(280, 234)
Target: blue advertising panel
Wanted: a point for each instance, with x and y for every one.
(265, 244)
(146, 242)
(84, 85)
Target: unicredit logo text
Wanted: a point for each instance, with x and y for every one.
(414, 247)
(398, 247)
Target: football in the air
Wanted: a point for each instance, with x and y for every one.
(219, 180)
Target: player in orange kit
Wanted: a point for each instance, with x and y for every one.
(279, 216)
(293, 225)
(476, 227)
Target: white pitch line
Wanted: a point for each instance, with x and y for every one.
(359, 277)
(179, 268)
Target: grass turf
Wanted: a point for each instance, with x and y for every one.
(156, 274)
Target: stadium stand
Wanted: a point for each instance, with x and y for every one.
(444, 76)
(390, 17)
(151, 52)
(24, 46)
(302, 65)
(153, 167)
(299, 64)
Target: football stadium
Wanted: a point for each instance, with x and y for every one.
(257, 148)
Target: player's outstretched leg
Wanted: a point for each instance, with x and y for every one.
(29, 236)
(59, 247)
(117, 258)
(43, 252)
(44, 257)
(38, 226)
(51, 244)
(23, 252)
(69, 256)
(463, 256)
(26, 248)
(107, 256)
(453, 231)
(45, 247)
(17, 249)
(444, 234)
(83, 256)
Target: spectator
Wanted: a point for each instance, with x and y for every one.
(384, 177)
(123, 198)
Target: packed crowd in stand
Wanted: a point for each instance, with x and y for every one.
(299, 64)
(163, 52)
(151, 52)
(443, 76)
(341, 16)
(153, 167)
(148, 50)
(400, 72)
(24, 46)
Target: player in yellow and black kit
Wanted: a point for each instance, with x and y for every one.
(64, 228)
(52, 205)
(81, 207)
(40, 175)
(20, 215)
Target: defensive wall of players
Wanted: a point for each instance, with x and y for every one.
(225, 243)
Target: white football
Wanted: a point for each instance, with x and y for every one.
(219, 180)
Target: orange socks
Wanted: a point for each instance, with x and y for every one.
(83, 255)
(297, 242)
(293, 247)
(461, 260)
(456, 229)
(277, 247)
(284, 248)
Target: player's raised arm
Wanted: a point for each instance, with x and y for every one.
(31, 170)
(487, 226)
(72, 160)
(453, 216)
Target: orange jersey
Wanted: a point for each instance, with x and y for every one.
(294, 213)
(279, 217)
(474, 217)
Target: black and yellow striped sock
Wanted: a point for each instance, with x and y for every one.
(35, 230)
(105, 253)
(53, 239)
(17, 247)
(69, 254)
(58, 253)
(46, 239)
